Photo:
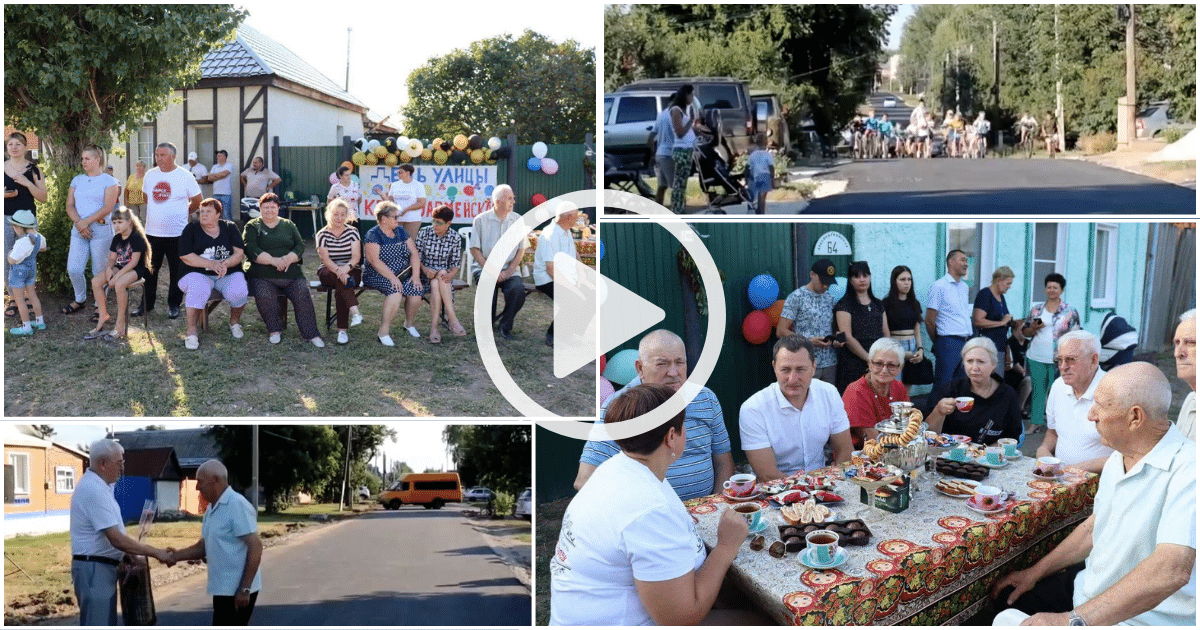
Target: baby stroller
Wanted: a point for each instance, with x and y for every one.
(1118, 340)
(719, 186)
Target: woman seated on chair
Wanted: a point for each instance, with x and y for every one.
(993, 411)
(441, 253)
(340, 247)
(128, 262)
(212, 252)
(275, 251)
(389, 250)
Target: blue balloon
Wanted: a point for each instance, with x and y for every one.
(763, 291)
(488, 191)
(535, 164)
(599, 250)
(838, 291)
(620, 368)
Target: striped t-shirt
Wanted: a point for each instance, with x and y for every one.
(340, 247)
(692, 474)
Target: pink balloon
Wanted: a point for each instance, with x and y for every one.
(333, 179)
(606, 389)
(549, 166)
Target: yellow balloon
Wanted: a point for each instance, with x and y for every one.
(372, 160)
(404, 157)
(359, 158)
(390, 159)
(460, 142)
(477, 156)
(439, 156)
(380, 151)
(426, 154)
(437, 143)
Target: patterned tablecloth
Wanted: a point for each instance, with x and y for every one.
(929, 565)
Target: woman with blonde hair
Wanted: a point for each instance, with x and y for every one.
(90, 199)
(340, 247)
(128, 262)
(991, 316)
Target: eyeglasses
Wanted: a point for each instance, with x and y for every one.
(1065, 361)
(880, 366)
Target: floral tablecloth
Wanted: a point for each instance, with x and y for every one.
(929, 565)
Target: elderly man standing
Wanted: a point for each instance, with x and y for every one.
(555, 239)
(808, 311)
(98, 539)
(1132, 561)
(707, 460)
(229, 541)
(1185, 369)
(200, 172)
(1069, 435)
(487, 228)
(948, 318)
(786, 425)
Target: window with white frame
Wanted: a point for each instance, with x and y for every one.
(20, 464)
(145, 146)
(967, 237)
(64, 479)
(1104, 267)
(1049, 248)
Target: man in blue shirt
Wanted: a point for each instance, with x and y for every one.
(707, 462)
(229, 541)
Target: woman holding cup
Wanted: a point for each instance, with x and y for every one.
(980, 405)
(1047, 321)
(628, 552)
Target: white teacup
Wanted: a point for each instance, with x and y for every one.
(995, 455)
(989, 497)
(740, 485)
(1009, 445)
(823, 545)
(1051, 466)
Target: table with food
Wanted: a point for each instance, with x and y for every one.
(881, 540)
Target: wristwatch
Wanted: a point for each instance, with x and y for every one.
(1076, 620)
(246, 591)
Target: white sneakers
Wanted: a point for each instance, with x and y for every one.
(236, 331)
(275, 337)
(412, 330)
(343, 338)
(387, 341)
(318, 342)
(191, 342)
(356, 319)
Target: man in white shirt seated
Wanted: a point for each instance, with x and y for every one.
(1185, 370)
(1069, 435)
(1131, 562)
(785, 426)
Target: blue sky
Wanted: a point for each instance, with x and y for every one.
(896, 24)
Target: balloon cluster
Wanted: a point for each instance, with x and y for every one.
(763, 293)
(539, 161)
(462, 149)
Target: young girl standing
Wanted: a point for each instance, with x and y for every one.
(128, 262)
(22, 271)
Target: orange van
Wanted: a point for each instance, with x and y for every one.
(432, 490)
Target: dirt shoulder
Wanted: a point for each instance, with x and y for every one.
(1134, 160)
(511, 540)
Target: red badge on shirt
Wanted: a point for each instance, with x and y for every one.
(162, 192)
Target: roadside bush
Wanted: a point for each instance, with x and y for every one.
(1173, 134)
(55, 225)
(504, 503)
(1098, 143)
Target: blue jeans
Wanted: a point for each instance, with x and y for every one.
(948, 366)
(96, 591)
(95, 248)
(226, 206)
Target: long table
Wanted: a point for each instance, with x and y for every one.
(931, 564)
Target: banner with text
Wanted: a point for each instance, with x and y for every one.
(466, 189)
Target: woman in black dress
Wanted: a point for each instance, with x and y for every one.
(904, 315)
(23, 184)
(860, 315)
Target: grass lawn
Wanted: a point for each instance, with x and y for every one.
(56, 373)
(47, 558)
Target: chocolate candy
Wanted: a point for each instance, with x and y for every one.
(777, 549)
(757, 543)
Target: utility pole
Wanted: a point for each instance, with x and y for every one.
(348, 29)
(1058, 102)
(346, 479)
(254, 468)
(1128, 112)
(995, 67)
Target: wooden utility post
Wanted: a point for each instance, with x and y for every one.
(1130, 109)
(254, 468)
(1058, 102)
(346, 480)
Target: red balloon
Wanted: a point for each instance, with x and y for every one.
(774, 311)
(469, 190)
(756, 328)
(538, 199)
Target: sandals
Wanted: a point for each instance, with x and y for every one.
(93, 334)
(111, 338)
(435, 336)
(458, 330)
(73, 307)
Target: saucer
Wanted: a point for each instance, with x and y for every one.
(982, 461)
(762, 526)
(749, 497)
(971, 504)
(1054, 478)
(805, 557)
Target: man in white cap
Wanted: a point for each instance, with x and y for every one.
(199, 171)
(98, 539)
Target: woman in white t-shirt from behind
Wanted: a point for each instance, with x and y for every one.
(628, 552)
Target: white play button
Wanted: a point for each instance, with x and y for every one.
(576, 287)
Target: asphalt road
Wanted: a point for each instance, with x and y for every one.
(998, 186)
(406, 567)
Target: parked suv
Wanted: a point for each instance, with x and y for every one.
(729, 96)
(523, 508)
(628, 127)
(766, 105)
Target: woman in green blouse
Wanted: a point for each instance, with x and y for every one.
(274, 251)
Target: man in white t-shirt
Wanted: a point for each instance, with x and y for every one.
(1069, 435)
(555, 238)
(785, 427)
(199, 171)
(1132, 562)
(1185, 370)
(98, 539)
(171, 195)
(409, 196)
(221, 177)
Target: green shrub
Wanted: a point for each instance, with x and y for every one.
(1173, 134)
(55, 225)
(504, 503)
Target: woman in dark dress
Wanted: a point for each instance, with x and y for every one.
(904, 315)
(991, 316)
(23, 185)
(859, 314)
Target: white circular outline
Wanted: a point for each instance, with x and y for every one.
(709, 275)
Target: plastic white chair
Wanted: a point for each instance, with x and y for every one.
(464, 268)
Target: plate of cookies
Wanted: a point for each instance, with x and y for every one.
(957, 488)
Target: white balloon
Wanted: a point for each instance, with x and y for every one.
(372, 145)
(413, 152)
(360, 144)
(539, 149)
(402, 142)
(493, 143)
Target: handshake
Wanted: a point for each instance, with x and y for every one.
(165, 556)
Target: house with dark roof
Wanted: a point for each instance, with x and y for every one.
(254, 94)
(190, 447)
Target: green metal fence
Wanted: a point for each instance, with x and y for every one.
(526, 183)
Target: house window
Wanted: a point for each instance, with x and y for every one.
(967, 237)
(205, 147)
(20, 464)
(145, 146)
(1104, 267)
(1049, 246)
(64, 479)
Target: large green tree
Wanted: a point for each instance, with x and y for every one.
(530, 86)
(497, 456)
(290, 458)
(78, 74)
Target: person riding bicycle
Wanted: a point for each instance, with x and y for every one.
(924, 131)
(982, 128)
(1027, 125)
(1050, 132)
(918, 113)
(887, 133)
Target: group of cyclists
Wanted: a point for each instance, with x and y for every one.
(879, 138)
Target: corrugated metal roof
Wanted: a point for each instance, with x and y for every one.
(254, 54)
(153, 463)
(189, 444)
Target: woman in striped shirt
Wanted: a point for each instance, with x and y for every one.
(441, 254)
(340, 248)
